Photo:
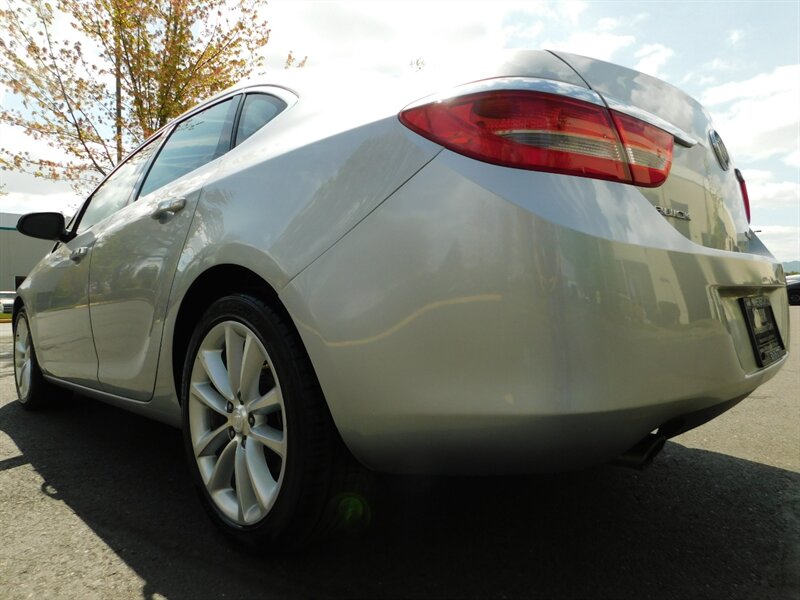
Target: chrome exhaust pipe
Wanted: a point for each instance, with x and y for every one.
(643, 453)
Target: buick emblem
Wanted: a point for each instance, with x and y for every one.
(720, 150)
(675, 214)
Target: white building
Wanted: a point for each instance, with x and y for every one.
(18, 253)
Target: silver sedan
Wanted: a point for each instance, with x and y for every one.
(540, 263)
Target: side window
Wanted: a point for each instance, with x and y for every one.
(115, 192)
(196, 141)
(258, 110)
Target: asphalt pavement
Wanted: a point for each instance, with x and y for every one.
(97, 503)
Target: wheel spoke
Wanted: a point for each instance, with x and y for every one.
(245, 495)
(22, 329)
(252, 362)
(206, 393)
(221, 475)
(21, 346)
(268, 403)
(270, 437)
(24, 377)
(264, 484)
(211, 441)
(234, 347)
(216, 371)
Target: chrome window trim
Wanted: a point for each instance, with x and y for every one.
(289, 97)
(284, 94)
(683, 138)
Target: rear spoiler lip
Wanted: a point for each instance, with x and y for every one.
(680, 136)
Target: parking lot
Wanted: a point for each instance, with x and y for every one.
(97, 503)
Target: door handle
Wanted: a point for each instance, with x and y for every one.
(169, 207)
(78, 254)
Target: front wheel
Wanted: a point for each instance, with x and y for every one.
(33, 390)
(260, 441)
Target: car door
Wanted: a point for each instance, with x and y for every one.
(59, 303)
(136, 251)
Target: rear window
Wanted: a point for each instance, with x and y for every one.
(258, 110)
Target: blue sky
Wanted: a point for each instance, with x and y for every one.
(741, 59)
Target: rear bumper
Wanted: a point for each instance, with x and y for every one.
(485, 319)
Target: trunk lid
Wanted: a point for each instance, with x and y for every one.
(698, 186)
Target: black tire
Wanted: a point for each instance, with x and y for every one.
(311, 475)
(33, 390)
(794, 298)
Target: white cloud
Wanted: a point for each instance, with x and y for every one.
(757, 176)
(571, 9)
(767, 194)
(735, 35)
(782, 240)
(792, 159)
(386, 35)
(567, 11)
(772, 194)
(781, 79)
(652, 57)
(602, 45)
(709, 73)
(719, 64)
(607, 24)
(523, 34)
(758, 118)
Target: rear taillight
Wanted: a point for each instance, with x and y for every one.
(648, 149)
(546, 132)
(743, 188)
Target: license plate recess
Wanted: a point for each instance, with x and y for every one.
(763, 330)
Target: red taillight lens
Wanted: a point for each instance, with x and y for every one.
(745, 197)
(648, 149)
(546, 132)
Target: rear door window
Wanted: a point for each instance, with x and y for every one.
(194, 142)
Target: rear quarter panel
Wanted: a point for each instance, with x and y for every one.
(286, 195)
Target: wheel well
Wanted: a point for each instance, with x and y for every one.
(217, 282)
(17, 306)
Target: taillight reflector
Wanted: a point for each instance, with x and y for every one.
(743, 188)
(546, 132)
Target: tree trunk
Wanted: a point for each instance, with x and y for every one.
(117, 86)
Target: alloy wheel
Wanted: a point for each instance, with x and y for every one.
(22, 358)
(237, 422)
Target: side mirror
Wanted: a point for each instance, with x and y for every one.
(44, 225)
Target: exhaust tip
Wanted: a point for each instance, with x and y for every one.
(642, 454)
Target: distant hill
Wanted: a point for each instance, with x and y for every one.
(793, 266)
